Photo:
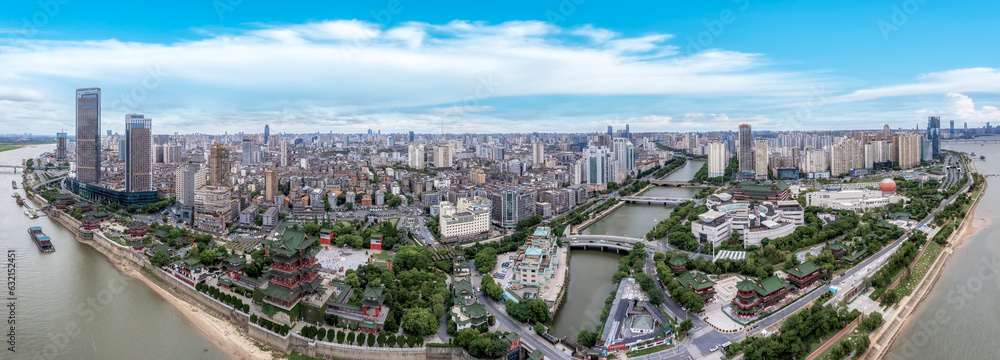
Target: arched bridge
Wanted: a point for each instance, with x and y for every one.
(669, 183)
(15, 167)
(655, 200)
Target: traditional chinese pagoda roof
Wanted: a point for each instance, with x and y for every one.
(285, 294)
(804, 269)
(464, 286)
(856, 255)
(291, 243)
(746, 285)
(137, 225)
(836, 245)
(770, 285)
(678, 261)
(372, 297)
(340, 300)
(698, 281)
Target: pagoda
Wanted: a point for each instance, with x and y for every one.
(294, 272)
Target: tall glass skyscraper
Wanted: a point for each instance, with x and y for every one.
(744, 151)
(88, 135)
(139, 153)
(934, 134)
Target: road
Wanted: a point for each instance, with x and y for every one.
(527, 336)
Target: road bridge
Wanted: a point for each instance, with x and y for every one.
(655, 200)
(669, 183)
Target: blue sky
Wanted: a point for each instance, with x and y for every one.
(511, 66)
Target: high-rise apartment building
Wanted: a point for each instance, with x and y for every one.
(477, 176)
(716, 159)
(213, 208)
(442, 155)
(219, 164)
(845, 155)
(537, 154)
(139, 156)
(760, 158)
(415, 153)
(814, 161)
(934, 135)
(284, 152)
(61, 142)
(595, 165)
(909, 150)
(88, 135)
(744, 152)
(270, 185)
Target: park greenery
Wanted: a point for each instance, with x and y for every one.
(796, 334)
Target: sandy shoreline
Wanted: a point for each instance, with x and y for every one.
(219, 331)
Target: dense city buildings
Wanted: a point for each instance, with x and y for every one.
(88, 135)
(466, 220)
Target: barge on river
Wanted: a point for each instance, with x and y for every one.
(43, 241)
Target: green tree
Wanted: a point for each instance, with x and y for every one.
(207, 257)
(587, 338)
(361, 338)
(491, 288)
(160, 259)
(486, 260)
(465, 337)
(420, 322)
(685, 326)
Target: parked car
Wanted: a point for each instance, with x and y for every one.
(715, 347)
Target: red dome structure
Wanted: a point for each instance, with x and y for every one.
(887, 185)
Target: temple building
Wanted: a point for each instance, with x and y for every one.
(368, 311)
(804, 274)
(294, 271)
(699, 283)
(753, 298)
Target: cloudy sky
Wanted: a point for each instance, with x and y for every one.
(510, 66)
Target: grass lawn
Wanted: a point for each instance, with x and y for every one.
(296, 356)
(923, 265)
(5, 147)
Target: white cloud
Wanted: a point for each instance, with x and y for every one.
(970, 80)
(961, 108)
(354, 68)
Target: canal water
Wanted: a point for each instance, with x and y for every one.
(73, 304)
(589, 285)
(958, 319)
(591, 271)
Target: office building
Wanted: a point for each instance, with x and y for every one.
(466, 220)
(61, 142)
(716, 159)
(247, 152)
(219, 165)
(951, 130)
(442, 155)
(411, 137)
(284, 152)
(139, 156)
(213, 208)
(744, 152)
(267, 133)
(88, 135)
(934, 135)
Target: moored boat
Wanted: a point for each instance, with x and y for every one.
(43, 241)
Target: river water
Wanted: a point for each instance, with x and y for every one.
(958, 319)
(591, 271)
(73, 304)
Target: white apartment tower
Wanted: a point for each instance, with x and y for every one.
(716, 159)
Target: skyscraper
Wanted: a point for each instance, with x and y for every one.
(760, 155)
(744, 151)
(886, 131)
(139, 156)
(595, 165)
(716, 159)
(270, 185)
(951, 130)
(267, 133)
(411, 137)
(609, 131)
(284, 152)
(934, 134)
(442, 155)
(537, 155)
(247, 151)
(628, 135)
(219, 164)
(61, 146)
(88, 135)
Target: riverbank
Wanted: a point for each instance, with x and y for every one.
(900, 319)
(219, 331)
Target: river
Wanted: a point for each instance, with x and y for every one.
(958, 319)
(591, 271)
(73, 304)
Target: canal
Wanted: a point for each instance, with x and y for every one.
(73, 304)
(589, 285)
(957, 319)
(591, 271)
